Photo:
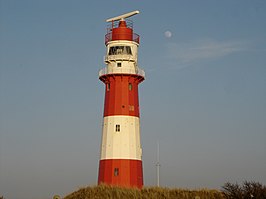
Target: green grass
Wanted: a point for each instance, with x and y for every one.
(111, 192)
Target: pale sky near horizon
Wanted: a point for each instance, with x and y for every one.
(204, 97)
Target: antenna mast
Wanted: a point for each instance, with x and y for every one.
(158, 165)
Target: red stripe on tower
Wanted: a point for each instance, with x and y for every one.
(121, 153)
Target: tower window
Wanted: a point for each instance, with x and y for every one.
(131, 108)
(130, 86)
(117, 128)
(116, 172)
(119, 64)
(107, 86)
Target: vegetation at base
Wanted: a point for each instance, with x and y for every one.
(248, 190)
(253, 190)
(112, 192)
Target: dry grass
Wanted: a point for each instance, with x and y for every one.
(111, 192)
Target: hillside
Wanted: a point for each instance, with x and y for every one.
(108, 192)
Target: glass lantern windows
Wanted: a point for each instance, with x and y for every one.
(120, 50)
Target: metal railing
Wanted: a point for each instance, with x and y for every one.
(106, 71)
(122, 57)
(115, 24)
(108, 37)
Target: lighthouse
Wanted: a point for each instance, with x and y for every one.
(121, 152)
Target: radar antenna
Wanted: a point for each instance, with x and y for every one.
(122, 17)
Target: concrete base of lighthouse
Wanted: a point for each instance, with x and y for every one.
(121, 172)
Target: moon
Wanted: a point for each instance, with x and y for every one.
(167, 34)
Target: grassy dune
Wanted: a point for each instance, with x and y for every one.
(109, 192)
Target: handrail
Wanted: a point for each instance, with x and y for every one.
(108, 37)
(115, 24)
(126, 57)
(106, 71)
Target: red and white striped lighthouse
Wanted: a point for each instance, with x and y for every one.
(121, 152)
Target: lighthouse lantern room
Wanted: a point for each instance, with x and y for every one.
(121, 152)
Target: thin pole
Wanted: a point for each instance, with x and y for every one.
(158, 164)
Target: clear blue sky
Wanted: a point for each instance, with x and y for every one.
(204, 97)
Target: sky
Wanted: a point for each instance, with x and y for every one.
(203, 99)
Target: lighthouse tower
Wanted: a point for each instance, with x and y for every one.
(121, 152)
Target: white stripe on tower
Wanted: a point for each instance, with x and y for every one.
(121, 138)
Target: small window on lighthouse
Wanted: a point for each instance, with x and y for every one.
(119, 64)
(116, 172)
(128, 50)
(117, 128)
(130, 86)
(108, 87)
